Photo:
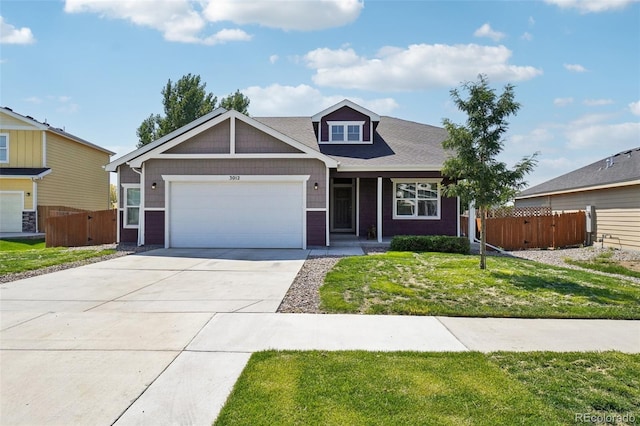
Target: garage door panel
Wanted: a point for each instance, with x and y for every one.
(11, 212)
(236, 214)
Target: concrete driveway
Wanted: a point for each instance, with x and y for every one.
(106, 342)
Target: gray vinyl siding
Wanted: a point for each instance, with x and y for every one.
(154, 169)
(251, 140)
(212, 141)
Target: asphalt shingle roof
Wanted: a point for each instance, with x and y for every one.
(621, 167)
(396, 142)
(22, 171)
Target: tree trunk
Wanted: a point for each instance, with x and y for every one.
(483, 238)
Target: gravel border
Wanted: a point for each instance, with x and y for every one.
(303, 295)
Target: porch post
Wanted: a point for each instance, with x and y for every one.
(379, 218)
(472, 223)
(357, 207)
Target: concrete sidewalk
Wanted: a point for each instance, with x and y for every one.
(162, 336)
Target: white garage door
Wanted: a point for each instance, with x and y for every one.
(236, 214)
(11, 212)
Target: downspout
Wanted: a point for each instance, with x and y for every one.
(472, 230)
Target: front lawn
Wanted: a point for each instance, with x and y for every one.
(408, 388)
(453, 285)
(605, 262)
(27, 255)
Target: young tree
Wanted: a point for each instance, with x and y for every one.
(477, 176)
(184, 101)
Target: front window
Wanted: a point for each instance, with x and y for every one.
(131, 206)
(416, 200)
(345, 131)
(4, 148)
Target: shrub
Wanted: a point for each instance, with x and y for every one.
(438, 243)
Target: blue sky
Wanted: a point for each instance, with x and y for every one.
(96, 67)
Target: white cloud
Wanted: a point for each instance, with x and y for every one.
(227, 35)
(532, 21)
(307, 15)
(419, 66)
(635, 108)
(12, 35)
(561, 102)
(486, 31)
(304, 100)
(34, 100)
(575, 68)
(592, 6)
(616, 136)
(273, 59)
(527, 36)
(597, 102)
(176, 19)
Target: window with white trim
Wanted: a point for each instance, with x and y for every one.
(418, 199)
(131, 205)
(4, 148)
(345, 131)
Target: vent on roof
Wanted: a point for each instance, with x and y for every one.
(8, 109)
(609, 162)
(28, 116)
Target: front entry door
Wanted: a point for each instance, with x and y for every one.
(343, 208)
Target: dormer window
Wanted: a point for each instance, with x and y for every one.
(345, 131)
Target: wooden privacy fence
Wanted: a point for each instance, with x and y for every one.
(548, 231)
(81, 229)
(540, 229)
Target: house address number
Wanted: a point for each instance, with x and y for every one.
(234, 177)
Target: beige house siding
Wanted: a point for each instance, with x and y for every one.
(154, 169)
(77, 178)
(617, 212)
(25, 148)
(620, 228)
(21, 185)
(215, 140)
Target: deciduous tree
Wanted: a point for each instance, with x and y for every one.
(184, 101)
(477, 176)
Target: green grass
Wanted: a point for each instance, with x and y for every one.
(453, 285)
(27, 255)
(604, 263)
(408, 388)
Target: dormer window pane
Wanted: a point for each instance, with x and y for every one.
(337, 133)
(353, 133)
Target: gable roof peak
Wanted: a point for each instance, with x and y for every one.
(346, 103)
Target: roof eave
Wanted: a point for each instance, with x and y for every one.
(391, 168)
(581, 189)
(113, 166)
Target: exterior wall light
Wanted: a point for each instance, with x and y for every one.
(153, 185)
(315, 186)
(28, 194)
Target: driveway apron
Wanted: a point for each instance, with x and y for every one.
(105, 343)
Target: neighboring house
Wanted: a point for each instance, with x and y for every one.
(611, 187)
(228, 180)
(42, 166)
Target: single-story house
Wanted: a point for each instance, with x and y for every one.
(43, 169)
(229, 180)
(608, 190)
